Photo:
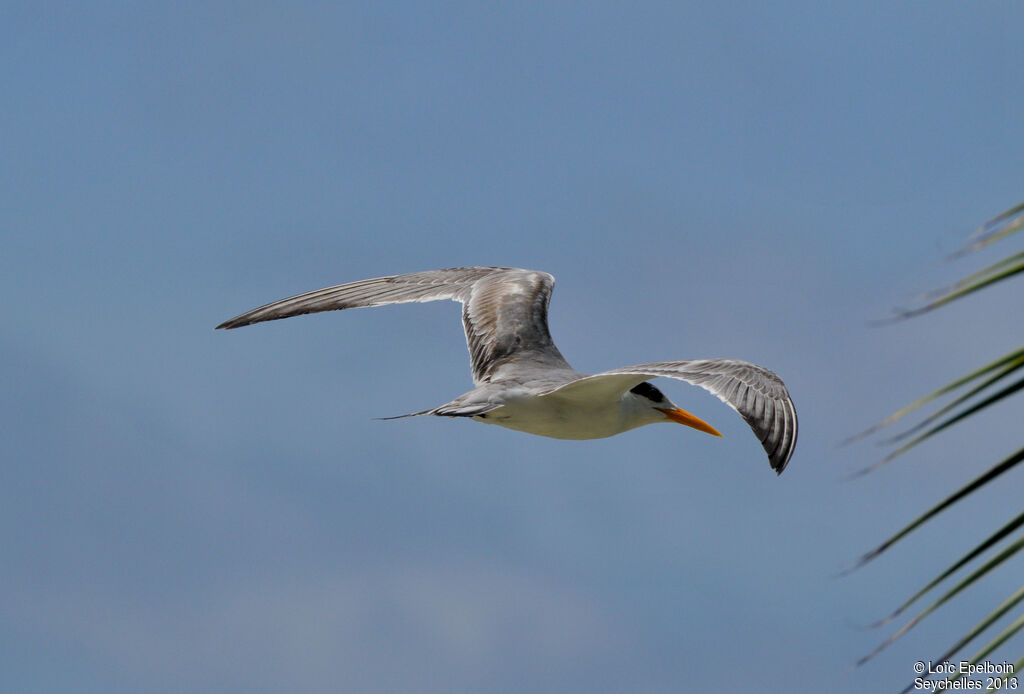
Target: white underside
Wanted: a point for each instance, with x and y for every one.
(564, 418)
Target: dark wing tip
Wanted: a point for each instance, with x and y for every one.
(233, 323)
(274, 311)
(236, 322)
(768, 409)
(784, 446)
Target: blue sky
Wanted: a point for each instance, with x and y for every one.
(185, 510)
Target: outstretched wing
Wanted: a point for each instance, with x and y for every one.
(504, 310)
(755, 392)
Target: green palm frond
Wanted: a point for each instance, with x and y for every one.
(976, 392)
(963, 414)
(1012, 366)
(977, 551)
(1003, 636)
(994, 229)
(1007, 361)
(997, 272)
(1000, 611)
(980, 481)
(962, 585)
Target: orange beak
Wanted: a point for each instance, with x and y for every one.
(684, 417)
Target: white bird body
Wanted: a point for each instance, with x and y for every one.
(524, 383)
(575, 416)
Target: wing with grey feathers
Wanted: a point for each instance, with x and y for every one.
(504, 311)
(756, 393)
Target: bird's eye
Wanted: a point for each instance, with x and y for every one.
(648, 391)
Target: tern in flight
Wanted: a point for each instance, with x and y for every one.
(523, 382)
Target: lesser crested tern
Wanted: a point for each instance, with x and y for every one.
(524, 383)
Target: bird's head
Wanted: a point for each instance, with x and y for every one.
(651, 404)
